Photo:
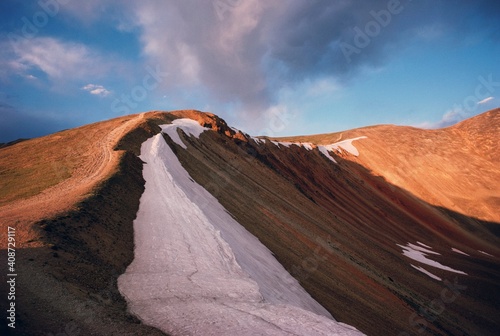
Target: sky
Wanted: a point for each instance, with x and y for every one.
(275, 67)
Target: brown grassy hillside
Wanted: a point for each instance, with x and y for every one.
(456, 167)
(72, 197)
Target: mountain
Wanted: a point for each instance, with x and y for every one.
(393, 230)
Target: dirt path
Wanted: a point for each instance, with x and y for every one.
(100, 162)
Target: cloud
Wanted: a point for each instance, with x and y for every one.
(97, 90)
(242, 53)
(246, 51)
(449, 118)
(484, 101)
(56, 58)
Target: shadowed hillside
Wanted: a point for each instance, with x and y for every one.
(337, 227)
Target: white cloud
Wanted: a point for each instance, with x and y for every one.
(97, 90)
(323, 87)
(484, 101)
(59, 60)
(449, 118)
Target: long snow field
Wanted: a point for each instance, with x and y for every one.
(197, 271)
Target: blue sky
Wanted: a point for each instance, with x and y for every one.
(267, 67)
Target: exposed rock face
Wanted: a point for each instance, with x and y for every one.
(211, 121)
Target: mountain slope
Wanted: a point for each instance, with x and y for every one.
(381, 240)
(338, 229)
(456, 167)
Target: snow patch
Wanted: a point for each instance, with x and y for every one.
(338, 146)
(348, 146)
(307, 145)
(324, 151)
(258, 140)
(458, 251)
(419, 254)
(197, 271)
(422, 244)
(486, 253)
(286, 144)
(189, 126)
(423, 270)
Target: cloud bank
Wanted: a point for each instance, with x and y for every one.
(241, 51)
(250, 58)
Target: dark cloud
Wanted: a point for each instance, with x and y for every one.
(254, 48)
(308, 38)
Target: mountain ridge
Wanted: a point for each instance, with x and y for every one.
(298, 202)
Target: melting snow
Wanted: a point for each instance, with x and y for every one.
(286, 144)
(307, 145)
(324, 150)
(189, 126)
(259, 140)
(345, 145)
(426, 272)
(197, 271)
(485, 253)
(458, 251)
(419, 254)
(422, 244)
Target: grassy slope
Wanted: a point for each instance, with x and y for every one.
(68, 263)
(456, 167)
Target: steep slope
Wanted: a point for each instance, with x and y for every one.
(395, 241)
(349, 235)
(456, 168)
(72, 197)
(197, 271)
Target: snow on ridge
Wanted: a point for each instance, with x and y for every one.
(346, 145)
(460, 252)
(307, 145)
(422, 244)
(338, 146)
(324, 150)
(189, 126)
(485, 253)
(426, 272)
(286, 143)
(197, 271)
(420, 254)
